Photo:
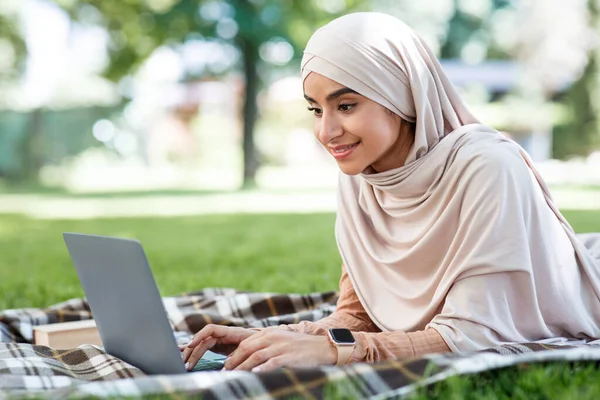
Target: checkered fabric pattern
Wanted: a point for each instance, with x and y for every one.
(29, 370)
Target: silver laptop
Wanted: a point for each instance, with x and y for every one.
(126, 304)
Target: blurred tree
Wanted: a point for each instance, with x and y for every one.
(471, 34)
(581, 133)
(471, 30)
(254, 27)
(12, 60)
(12, 45)
(561, 57)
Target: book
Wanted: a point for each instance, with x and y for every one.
(67, 335)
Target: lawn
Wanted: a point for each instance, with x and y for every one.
(285, 253)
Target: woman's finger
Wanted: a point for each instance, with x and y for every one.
(256, 359)
(271, 364)
(246, 348)
(198, 352)
(187, 352)
(225, 334)
(206, 332)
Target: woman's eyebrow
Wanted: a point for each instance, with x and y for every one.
(332, 95)
(339, 92)
(309, 99)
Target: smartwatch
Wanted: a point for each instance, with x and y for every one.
(344, 342)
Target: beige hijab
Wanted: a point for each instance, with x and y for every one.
(464, 238)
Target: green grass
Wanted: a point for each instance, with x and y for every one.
(556, 380)
(283, 253)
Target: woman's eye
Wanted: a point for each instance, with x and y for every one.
(316, 111)
(346, 107)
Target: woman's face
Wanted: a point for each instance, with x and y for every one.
(358, 132)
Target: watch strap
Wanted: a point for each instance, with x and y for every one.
(344, 353)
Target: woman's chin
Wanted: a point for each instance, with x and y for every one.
(351, 168)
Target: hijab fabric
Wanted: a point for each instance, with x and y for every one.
(463, 238)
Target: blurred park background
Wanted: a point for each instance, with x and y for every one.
(102, 96)
(182, 123)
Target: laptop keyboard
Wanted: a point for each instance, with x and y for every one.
(208, 365)
(210, 362)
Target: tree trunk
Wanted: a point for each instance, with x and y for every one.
(250, 111)
(31, 149)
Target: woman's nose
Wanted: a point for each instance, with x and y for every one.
(328, 129)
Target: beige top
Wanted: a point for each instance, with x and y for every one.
(464, 238)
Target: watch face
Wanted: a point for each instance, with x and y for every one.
(342, 335)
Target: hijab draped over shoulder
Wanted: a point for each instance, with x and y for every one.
(463, 238)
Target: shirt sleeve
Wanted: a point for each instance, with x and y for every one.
(372, 345)
(349, 313)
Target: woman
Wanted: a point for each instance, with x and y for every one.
(448, 236)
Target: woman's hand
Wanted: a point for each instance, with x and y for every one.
(274, 348)
(218, 338)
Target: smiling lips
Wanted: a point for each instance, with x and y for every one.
(343, 151)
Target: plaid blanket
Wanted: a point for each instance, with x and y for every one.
(27, 369)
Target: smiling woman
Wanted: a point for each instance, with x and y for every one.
(449, 238)
(360, 133)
